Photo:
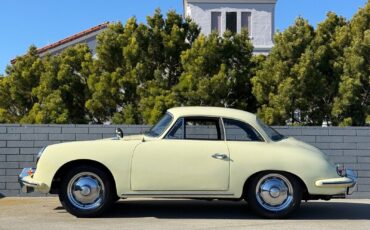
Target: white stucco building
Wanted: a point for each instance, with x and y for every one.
(258, 16)
(87, 36)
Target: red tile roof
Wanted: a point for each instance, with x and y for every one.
(70, 38)
(73, 37)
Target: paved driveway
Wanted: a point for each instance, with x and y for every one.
(46, 213)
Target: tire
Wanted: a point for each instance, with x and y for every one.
(274, 194)
(86, 191)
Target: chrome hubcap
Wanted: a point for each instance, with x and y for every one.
(86, 191)
(274, 192)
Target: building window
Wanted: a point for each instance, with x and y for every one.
(246, 21)
(216, 22)
(231, 21)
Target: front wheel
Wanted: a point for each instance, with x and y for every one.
(274, 195)
(86, 191)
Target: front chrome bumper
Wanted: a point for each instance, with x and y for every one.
(23, 179)
(348, 181)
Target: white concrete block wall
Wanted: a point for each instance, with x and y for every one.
(19, 145)
(349, 146)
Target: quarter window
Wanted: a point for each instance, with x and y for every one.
(272, 133)
(240, 131)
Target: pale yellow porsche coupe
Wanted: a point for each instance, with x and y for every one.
(192, 152)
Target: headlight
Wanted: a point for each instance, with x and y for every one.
(39, 154)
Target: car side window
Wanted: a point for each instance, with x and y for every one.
(196, 128)
(202, 128)
(240, 131)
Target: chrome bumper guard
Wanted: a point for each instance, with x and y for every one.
(352, 175)
(26, 186)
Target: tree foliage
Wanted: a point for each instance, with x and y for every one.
(62, 92)
(275, 84)
(312, 75)
(322, 74)
(352, 104)
(217, 72)
(16, 98)
(137, 66)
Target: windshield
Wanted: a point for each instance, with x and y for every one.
(161, 125)
(272, 133)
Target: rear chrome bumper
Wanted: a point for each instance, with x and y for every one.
(25, 180)
(348, 181)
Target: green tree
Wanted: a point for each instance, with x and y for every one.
(217, 72)
(16, 98)
(319, 69)
(351, 106)
(168, 38)
(274, 85)
(62, 91)
(5, 102)
(116, 72)
(137, 63)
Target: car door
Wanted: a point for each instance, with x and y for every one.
(193, 156)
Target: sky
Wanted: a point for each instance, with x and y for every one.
(42, 22)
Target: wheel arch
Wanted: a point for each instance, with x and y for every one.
(55, 185)
(305, 194)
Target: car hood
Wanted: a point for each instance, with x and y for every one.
(87, 147)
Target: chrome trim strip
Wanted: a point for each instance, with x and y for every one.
(223, 127)
(28, 184)
(176, 194)
(338, 183)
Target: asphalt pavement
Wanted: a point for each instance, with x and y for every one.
(47, 213)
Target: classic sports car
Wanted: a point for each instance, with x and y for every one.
(192, 152)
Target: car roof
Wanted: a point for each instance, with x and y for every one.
(212, 111)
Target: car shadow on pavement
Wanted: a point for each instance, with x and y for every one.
(196, 209)
(1, 196)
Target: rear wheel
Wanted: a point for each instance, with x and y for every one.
(86, 191)
(274, 195)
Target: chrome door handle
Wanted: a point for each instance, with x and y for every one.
(219, 156)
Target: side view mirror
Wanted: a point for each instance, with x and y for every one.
(119, 132)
